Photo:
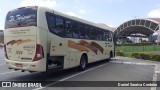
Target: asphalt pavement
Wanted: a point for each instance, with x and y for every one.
(119, 69)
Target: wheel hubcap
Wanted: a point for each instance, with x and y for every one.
(83, 63)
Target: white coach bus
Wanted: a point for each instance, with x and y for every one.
(40, 39)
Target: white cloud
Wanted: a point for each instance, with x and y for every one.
(115, 0)
(82, 11)
(111, 25)
(76, 1)
(74, 14)
(71, 14)
(44, 3)
(154, 13)
(110, 0)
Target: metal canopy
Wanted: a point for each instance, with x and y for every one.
(140, 26)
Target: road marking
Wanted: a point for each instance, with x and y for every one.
(7, 72)
(155, 76)
(69, 77)
(156, 69)
(135, 63)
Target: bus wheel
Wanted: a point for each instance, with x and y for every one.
(83, 63)
(110, 56)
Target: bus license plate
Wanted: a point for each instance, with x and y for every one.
(19, 65)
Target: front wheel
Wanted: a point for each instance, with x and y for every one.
(83, 63)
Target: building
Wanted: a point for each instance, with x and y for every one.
(139, 29)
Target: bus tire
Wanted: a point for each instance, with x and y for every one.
(83, 63)
(110, 56)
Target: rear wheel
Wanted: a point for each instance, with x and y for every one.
(83, 63)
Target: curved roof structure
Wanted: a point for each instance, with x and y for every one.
(140, 26)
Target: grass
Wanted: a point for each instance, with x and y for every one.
(130, 49)
(138, 48)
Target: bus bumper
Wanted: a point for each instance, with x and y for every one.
(38, 66)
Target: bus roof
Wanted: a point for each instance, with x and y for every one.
(76, 19)
(68, 16)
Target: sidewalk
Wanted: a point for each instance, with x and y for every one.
(120, 58)
(127, 60)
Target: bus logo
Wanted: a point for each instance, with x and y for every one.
(85, 46)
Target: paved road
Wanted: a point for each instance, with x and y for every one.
(121, 69)
(106, 72)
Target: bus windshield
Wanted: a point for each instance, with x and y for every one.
(21, 17)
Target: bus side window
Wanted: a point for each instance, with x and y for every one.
(99, 35)
(110, 37)
(59, 27)
(104, 36)
(93, 33)
(55, 24)
(51, 22)
(75, 30)
(107, 35)
(87, 33)
(68, 26)
(82, 31)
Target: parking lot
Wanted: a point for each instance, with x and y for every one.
(119, 69)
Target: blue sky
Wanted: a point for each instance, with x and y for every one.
(110, 12)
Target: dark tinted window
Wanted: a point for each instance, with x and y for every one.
(93, 33)
(104, 36)
(66, 27)
(82, 31)
(110, 36)
(99, 34)
(87, 33)
(69, 26)
(51, 21)
(75, 30)
(21, 17)
(107, 35)
(55, 24)
(59, 22)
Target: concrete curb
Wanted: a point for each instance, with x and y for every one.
(128, 58)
